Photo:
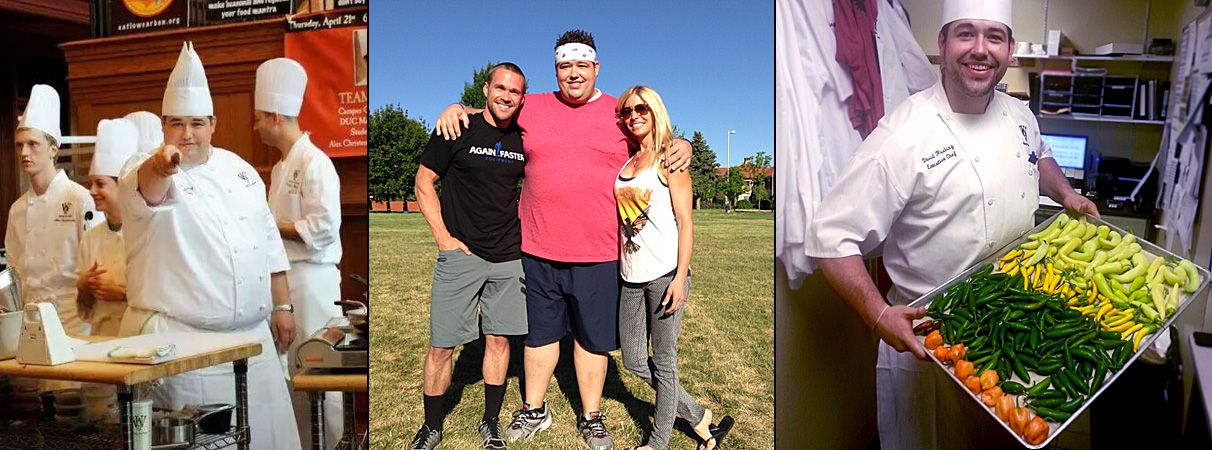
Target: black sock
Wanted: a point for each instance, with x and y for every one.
(494, 394)
(433, 412)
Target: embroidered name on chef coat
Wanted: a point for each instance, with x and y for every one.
(248, 182)
(939, 156)
(65, 214)
(293, 185)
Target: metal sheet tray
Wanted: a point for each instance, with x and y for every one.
(1148, 248)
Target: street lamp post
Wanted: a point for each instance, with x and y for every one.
(729, 161)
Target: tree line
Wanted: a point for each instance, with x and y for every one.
(396, 142)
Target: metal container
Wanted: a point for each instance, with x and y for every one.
(170, 430)
(1148, 248)
(215, 418)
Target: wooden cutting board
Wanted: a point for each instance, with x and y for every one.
(187, 345)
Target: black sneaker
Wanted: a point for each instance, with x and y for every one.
(490, 431)
(594, 431)
(426, 438)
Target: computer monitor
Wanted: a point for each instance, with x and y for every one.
(1069, 153)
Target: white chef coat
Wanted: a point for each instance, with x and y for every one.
(940, 190)
(304, 189)
(201, 261)
(106, 248)
(204, 256)
(41, 239)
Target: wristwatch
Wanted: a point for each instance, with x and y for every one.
(290, 308)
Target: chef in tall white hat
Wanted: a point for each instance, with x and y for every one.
(46, 224)
(151, 134)
(305, 198)
(948, 177)
(215, 261)
(101, 256)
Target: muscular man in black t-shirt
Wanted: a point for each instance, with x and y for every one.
(475, 223)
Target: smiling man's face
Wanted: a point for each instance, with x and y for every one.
(975, 55)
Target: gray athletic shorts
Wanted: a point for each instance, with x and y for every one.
(470, 295)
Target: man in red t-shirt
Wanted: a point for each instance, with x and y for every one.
(574, 148)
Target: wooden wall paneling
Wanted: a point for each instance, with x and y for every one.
(113, 76)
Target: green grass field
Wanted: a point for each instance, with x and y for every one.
(726, 349)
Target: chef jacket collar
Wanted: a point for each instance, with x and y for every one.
(59, 178)
(299, 143)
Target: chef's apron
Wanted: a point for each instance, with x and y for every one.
(314, 290)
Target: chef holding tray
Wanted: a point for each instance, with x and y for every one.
(948, 177)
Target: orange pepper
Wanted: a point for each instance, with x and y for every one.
(989, 379)
(958, 352)
(1019, 420)
(942, 353)
(1004, 408)
(963, 370)
(1037, 431)
(933, 340)
(990, 396)
(973, 384)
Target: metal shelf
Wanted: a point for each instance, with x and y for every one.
(1134, 58)
(1107, 119)
(51, 435)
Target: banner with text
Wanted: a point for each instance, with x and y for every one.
(225, 11)
(332, 47)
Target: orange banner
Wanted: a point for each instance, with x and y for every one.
(332, 47)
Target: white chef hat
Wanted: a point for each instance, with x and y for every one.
(187, 94)
(151, 130)
(995, 10)
(117, 140)
(280, 86)
(42, 111)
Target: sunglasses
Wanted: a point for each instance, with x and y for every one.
(641, 109)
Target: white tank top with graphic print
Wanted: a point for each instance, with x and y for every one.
(647, 225)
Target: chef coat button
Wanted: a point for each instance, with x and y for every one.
(1018, 154)
(990, 202)
(978, 159)
(1023, 196)
(1003, 113)
(1030, 171)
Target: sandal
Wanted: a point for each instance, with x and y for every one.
(718, 432)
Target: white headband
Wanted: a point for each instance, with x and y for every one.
(574, 51)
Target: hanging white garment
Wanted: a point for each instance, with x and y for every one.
(904, 68)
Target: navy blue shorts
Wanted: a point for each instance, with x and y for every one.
(578, 297)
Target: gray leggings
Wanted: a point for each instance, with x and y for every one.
(640, 317)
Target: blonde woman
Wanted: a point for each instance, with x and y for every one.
(657, 240)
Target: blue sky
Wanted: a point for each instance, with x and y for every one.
(712, 62)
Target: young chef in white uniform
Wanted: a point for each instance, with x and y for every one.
(305, 198)
(46, 224)
(101, 257)
(948, 177)
(208, 258)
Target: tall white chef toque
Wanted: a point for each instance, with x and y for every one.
(280, 86)
(187, 94)
(151, 130)
(117, 140)
(995, 10)
(42, 111)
